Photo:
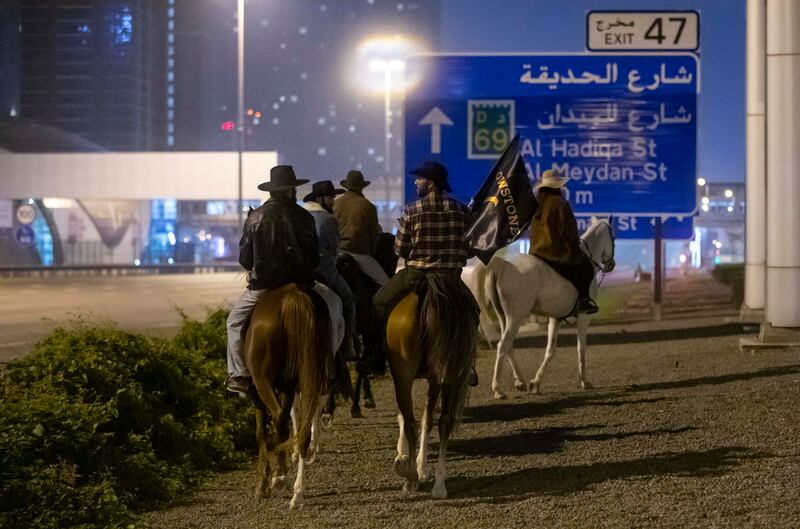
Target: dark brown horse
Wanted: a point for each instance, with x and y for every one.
(364, 288)
(432, 333)
(286, 349)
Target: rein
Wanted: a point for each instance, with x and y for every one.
(589, 254)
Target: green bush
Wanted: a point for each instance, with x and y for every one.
(733, 275)
(97, 423)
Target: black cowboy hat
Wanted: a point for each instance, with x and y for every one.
(354, 181)
(322, 189)
(435, 172)
(281, 177)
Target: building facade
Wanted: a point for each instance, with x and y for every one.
(96, 68)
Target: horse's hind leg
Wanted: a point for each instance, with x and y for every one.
(407, 442)
(427, 422)
(355, 409)
(262, 428)
(369, 400)
(583, 328)
(552, 339)
(453, 396)
(314, 446)
(505, 349)
(328, 408)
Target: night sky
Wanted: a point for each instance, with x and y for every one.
(302, 76)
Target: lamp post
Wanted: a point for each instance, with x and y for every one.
(240, 100)
(387, 67)
(378, 61)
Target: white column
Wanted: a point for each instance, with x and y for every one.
(756, 246)
(783, 163)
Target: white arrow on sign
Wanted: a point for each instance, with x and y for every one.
(436, 118)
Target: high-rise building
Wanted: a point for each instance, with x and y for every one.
(96, 68)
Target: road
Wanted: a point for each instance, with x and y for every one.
(30, 308)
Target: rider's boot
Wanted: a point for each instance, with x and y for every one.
(587, 306)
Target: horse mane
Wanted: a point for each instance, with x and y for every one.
(449, 317)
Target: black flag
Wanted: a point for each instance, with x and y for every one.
(503, 207)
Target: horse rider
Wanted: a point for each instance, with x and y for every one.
(431, 238)
(554, 238)
(320, 204)
(358, 226)
(278, 246)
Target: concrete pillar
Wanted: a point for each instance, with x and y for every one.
(756, 183)
(783, 163)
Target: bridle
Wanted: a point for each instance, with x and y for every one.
(607, 265)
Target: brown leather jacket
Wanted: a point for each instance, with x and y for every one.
(359, 230)
(554, 230)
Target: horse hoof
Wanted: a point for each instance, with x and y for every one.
(262, 491)
(402, 466)
(356, 414)
(520, 386)
(439, 491)
(534, 388)
(587, 385)
(410, 485)
(369, 403)
(327, 420)
(278, 483)
(296, 503)
(499, 395)
(311, 457)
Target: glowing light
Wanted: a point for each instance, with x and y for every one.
(705, 207)
(728, 193)
(381, 58)
(258, 114)
(170, 260)
(682, 258)
(250, 111)
(718, 244)
(705, 200)
(58, 203)
(171, 238)
(137, 262)
(701, 181)
(227, 125)
(730, 209)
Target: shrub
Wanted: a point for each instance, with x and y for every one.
(96, 423)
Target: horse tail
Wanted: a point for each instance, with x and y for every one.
(307, 329)
(449, 317)
(490, 290)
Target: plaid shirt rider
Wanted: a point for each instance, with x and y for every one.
(432, 231)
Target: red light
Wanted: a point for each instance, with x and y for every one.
(258, 114)
(228, 125)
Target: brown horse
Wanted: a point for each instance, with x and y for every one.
(286, 348)
(432, 333)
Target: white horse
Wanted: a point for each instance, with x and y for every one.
(523, 284)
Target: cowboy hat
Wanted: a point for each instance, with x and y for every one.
(435, 172)
(552, 179)
(322, 189)
(354, 181)
(281, 177)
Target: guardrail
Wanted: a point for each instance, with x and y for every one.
(117, 270)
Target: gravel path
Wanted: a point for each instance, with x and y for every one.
(683, 430)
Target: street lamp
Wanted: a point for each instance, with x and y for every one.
(240, 99)
(379, 67)
(387, 67)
